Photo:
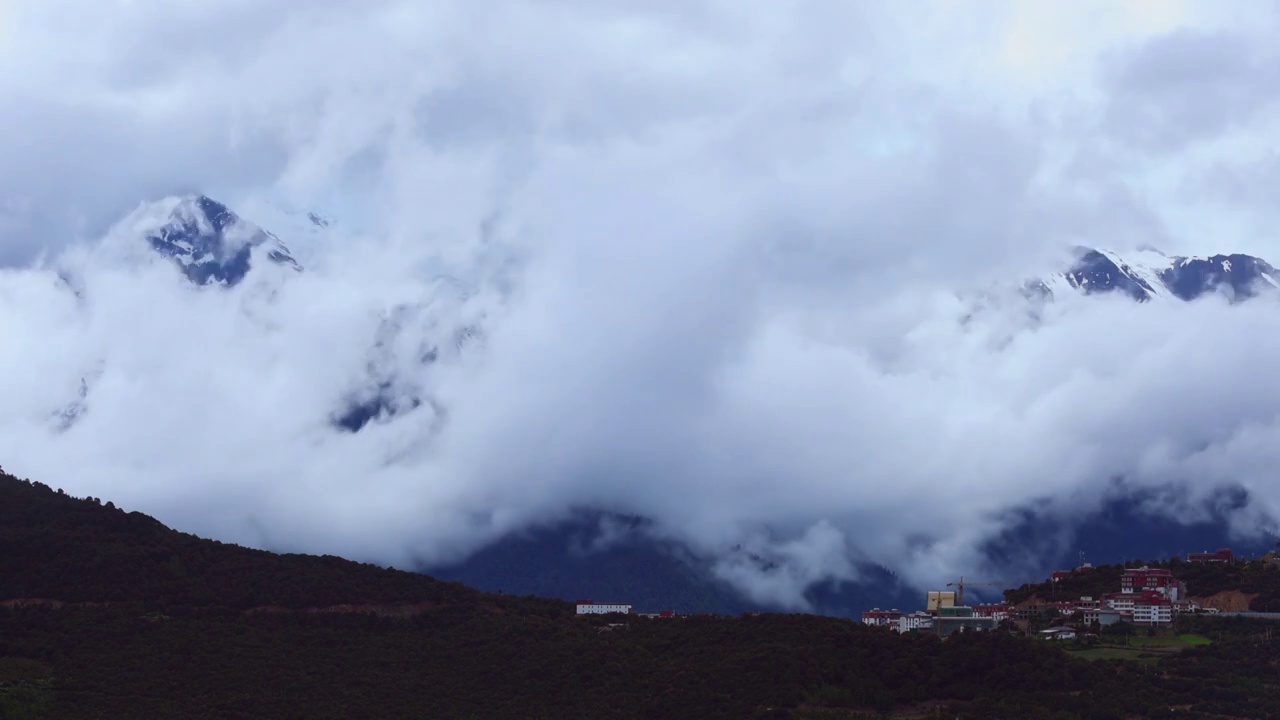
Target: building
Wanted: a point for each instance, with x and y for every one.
(1221, 555)
(1145, 579)
(1027, 609)
(937, 599)
(881, 618)
(588, 607)
(1104, 616)
(1148, 608)
(1060, 575)
(997, 611)
(916, 621)
(960, 618)
(1152, 608)
(1058, 633)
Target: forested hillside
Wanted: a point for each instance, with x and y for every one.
(108, 614)
(1258, 578)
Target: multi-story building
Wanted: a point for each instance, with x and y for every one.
(938, 599)
(1105, 616)
(1148, 607)
(915, 621)
(882, 618)
(997, 611)
(1152, 608)
(587, 607)
(1146, 579)
(960, 618)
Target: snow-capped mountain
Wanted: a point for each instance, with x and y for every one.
(1149, 274)
(208, 242)
(211, 244)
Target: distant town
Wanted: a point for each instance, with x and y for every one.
(1146, 596)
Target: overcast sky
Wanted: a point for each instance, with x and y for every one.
(719, 253)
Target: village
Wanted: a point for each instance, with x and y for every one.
(1146, 597)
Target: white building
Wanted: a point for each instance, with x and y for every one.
(915, 621)
(1103, 616)
(881, 618)
(1152, 614)
(1148, 608)
(1059, 633)
(587, 607)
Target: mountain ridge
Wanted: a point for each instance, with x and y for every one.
(205, 239)
(1148, 274)
(210, 243)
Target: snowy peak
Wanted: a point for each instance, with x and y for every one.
(208, 242)
(1240, 275)
(1149, 274)
(1096, 271)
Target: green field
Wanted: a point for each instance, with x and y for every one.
(1151, 647)
(1176, 642)
(1115, 653)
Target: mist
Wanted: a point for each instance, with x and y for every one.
(750, 271)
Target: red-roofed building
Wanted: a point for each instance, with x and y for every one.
(999, 611)
(1221, 555)
(587, 607)
(1143, 579)
(1149, 607)
(881, 618)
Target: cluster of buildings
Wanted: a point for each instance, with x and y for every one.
(1147, 596)
(942, 616)
(590, 607)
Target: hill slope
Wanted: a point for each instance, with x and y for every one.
(107, 614)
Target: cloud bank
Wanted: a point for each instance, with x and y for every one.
(712, 264)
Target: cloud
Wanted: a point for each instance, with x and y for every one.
(718, 262)
(1190, 84)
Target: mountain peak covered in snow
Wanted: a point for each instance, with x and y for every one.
(207, 241)
(1148, 274)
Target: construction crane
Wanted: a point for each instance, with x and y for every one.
(959, 585)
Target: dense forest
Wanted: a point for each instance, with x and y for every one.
(109, 614)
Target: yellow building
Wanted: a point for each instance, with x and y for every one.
(940, 599)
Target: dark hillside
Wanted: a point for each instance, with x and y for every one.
(56, 547)
(108, 614)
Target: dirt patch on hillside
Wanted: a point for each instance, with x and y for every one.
(1227, 600)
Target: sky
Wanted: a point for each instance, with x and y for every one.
(743, 268)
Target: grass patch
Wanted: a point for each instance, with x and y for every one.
(1112, 653)
(1193, 640)
(1172, 642)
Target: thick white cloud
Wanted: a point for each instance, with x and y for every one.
(714, 250)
